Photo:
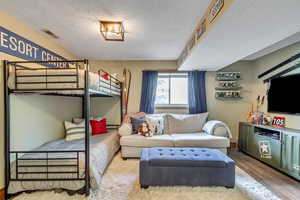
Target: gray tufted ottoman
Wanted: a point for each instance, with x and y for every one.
(186, 166)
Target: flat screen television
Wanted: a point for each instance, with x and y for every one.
(284, 95)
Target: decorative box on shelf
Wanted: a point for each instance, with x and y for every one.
(228, 87)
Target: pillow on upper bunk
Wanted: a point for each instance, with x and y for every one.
(74, 131)
(98, 127)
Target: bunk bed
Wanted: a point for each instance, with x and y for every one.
(77, 165)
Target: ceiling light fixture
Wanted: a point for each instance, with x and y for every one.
(112, 31)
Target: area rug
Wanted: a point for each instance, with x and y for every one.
(121, 182)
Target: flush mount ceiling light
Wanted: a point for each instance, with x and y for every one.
(112, 31)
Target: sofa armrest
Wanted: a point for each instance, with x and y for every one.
(217, 128)
(125, 129)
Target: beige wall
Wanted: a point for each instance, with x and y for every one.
(136, 68)
(231, 112)
(39, 120)
(267, 62)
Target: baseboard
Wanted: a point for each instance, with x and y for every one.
(2, 197)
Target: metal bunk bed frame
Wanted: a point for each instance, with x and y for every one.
(85, 114)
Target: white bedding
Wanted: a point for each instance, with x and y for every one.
(102, 149)
(94, 81)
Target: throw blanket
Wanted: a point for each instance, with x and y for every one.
(211, 125)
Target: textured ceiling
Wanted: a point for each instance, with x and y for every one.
(156, 29)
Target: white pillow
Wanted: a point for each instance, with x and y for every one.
(159, 121)
(125, 129)
(74, 131)
(185, 123)
(79, 120)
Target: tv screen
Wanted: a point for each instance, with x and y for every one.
(284, 95)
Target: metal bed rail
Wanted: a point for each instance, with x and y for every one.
(109, 83)
(45, 163)
(45, 78)
(52, 82)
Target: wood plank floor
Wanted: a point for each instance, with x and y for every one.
(282, 185)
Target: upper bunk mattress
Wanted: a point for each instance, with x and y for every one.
(102, 149)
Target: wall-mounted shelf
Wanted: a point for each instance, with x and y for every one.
(228, 79)
(229, 98)
(228, 87)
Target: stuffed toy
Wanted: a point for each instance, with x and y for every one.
(144, 130)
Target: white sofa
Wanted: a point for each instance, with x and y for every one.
(131, 145)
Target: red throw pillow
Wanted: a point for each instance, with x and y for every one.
(98, 127)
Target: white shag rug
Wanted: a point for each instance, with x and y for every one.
(121, 182)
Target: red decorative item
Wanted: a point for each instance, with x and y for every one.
(105, 76)
(278, 122)
(98, 127)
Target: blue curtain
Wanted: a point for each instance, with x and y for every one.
(149, 86)
(196, 92)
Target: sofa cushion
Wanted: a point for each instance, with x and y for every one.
(141, 141)
(185, 123)
(200, 140)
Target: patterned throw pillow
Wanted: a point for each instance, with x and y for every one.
(74, 131)
(79, 120)
(155, 125)
(160, 121)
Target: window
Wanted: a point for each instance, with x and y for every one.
(172, 89)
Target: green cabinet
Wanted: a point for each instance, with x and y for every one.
(243, 137)
(290, 155)
(282, 146)
(247, 141)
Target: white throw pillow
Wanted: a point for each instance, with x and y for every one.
(185, 123)
(125, 129)
(79, 120)
(159, 120)
(74, 131)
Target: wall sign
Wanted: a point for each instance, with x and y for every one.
(15, 45)
(214, 11)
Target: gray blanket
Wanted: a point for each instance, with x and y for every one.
(102, 149)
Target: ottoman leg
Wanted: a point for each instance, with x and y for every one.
(144, 186)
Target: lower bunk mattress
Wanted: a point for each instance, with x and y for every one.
(102, 149)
